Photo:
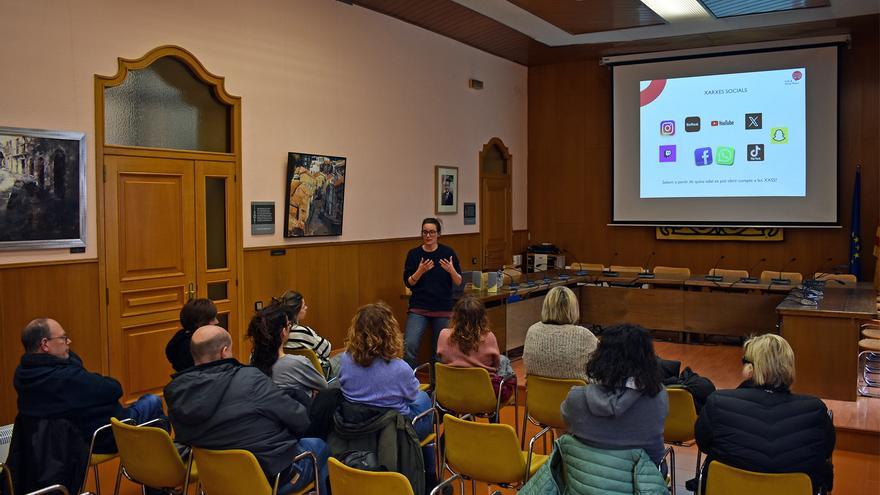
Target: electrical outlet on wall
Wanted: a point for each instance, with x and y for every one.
(258, 305)
(473, 260)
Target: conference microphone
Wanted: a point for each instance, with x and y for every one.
(714, 278)
(783, 281)
(827, 268)
(750, 279)
(647, 271)
(607, 271)
(564, 275)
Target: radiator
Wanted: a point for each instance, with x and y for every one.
(5, 440)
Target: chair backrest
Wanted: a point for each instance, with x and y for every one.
(230, 472)
(729, 274)
(464, 390)
(627, 269)
(848, 279)
(346, 480)
(308, 354)
(672, 271)
(487, 452)
(544, 397)
(682, 416)
(793, 277)
(149, 455)
(727, 480)
(590, 267)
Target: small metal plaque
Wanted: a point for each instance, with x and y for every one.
(470, 213)
(262, 217)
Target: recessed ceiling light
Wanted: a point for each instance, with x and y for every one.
(678, 10)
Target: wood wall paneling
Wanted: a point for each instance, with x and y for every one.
(570, 164)
(67, 293)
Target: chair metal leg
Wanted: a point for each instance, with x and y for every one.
(473, 487)
(97, 480)
(670, 451)
(525, 422)
(515, 407)
(118, 478)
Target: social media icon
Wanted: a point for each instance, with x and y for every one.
(724, 155)
(667, 128)
(691, 124)
(714, 123)
(755, 152)
(779, 135)
(667, 153)
(703, 156)
(753, 121)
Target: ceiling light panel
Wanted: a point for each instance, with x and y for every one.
(731, 8)
(678, 10)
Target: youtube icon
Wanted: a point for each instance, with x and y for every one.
(714, 123)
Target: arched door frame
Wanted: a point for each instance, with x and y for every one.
(497, 143)
(216, 83)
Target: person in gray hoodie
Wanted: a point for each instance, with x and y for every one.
(625, 406)
(221, 404)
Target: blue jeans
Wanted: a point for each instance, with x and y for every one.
(304, 467)
(147, 408)
(423, 427)
(412, 336)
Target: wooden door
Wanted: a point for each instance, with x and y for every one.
(496, 223)
(151, 263)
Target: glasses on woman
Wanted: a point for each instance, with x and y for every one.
(429, 233)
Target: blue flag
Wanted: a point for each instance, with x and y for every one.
(855, 246)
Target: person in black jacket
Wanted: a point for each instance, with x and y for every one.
(52, 383)
(431, 271)
(222, 404)
(761, 426)
(196, 313)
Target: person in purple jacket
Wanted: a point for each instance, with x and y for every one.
(431, 272)
(372, 373)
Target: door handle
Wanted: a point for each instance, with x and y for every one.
(191, 293)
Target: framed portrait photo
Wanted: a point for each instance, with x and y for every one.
(42, 189)
(445, 190)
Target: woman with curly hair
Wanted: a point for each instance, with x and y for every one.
(469, 343)
(625, 405)
(268, 331)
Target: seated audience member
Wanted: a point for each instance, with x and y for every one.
(761, 426)
(557, 347)
(196, 313)
(296, 375)
(625, 405)
(52, 383)
(372, 373)
(470, 343)
(221, 404)
(301, 336)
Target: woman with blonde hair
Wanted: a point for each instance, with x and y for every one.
(761, 426)
(556, 346)
(469, 343)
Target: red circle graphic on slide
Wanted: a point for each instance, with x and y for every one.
(651, 93)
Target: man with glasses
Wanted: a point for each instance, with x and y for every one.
(52, 382)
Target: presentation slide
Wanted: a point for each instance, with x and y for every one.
(727, 135)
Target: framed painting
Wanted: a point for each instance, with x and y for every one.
(445, 190)
(42, 189)
(315, 195)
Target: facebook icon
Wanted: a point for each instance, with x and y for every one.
(703, 156)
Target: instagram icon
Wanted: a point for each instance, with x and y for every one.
(667, 128)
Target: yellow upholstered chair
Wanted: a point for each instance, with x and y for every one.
(590, 267)
(469, 391)
(794, 278)
(731, 275)
(96, 459)
(679, 427)
(672, 272)
(848, 279)
(346, 480)
(236, 472)
(487, 452)
(726, 480)
(627, 270)
(147, 456)
(308, 354)
(544, 397)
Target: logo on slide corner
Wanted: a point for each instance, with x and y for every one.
(724, 155)
(753, 121)
(691, 124)
(797, 75)
(667, 128)
(779, 135)
(667, 153)
(703, 156)
(755, 152)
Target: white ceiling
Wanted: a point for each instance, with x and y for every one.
(523, 21)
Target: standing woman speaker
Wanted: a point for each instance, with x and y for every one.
(431, 272)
